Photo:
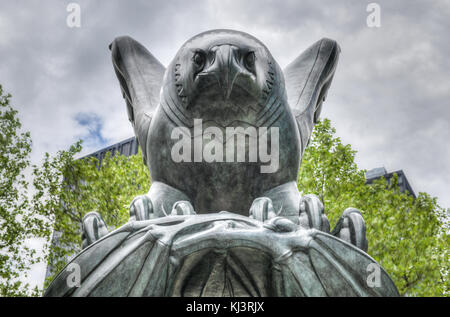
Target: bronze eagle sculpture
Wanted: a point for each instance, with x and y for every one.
(222, 130)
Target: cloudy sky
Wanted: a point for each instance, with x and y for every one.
(389, 99)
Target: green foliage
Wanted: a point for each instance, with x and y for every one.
(17, 224)
(64, 190)
(408, 237)
(68, 188)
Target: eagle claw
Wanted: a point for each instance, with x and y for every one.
(352, 229)
(262, 209)
(93, 228)
(311, 213)
(141, 208)
(182, 207)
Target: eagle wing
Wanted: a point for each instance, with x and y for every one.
(308, 78)
(140, 76)
(220, 255)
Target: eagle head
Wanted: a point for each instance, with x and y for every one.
(223, 76)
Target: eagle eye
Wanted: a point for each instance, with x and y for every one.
(199, 59)
(249, 61)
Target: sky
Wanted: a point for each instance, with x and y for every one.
(389, 98)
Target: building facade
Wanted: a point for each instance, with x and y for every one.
(126, 147)
(377, 173)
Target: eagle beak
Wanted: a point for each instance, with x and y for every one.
(226, 68)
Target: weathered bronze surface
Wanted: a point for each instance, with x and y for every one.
(271, 241)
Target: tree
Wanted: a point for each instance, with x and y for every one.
(17, 223)
(67, 189)
(408, 237)
(64, 190)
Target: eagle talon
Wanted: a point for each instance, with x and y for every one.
(262, 209)
(141, 208)
(352, 229)
(311, 213)
(280, 224)
(182, 207)
(93, 228)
